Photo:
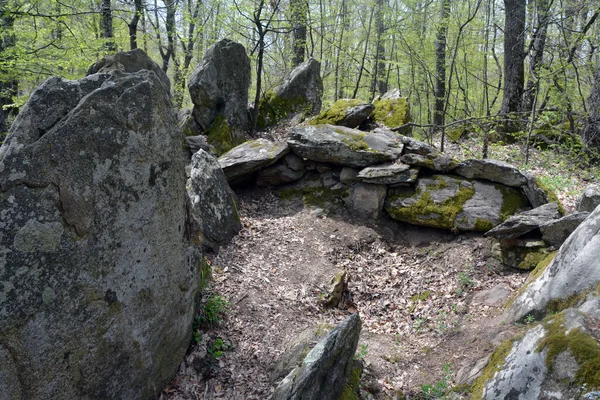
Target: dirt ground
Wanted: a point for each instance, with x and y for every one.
(413, 287)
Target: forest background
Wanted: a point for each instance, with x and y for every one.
(471, 61)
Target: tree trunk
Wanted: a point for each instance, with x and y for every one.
(134, 23)
(514, 55)
(591, 127)
(188, 53)
(538, 43)
(379, 81)
(299, 10)
(8, 84)
(440, 64)
(106, 26)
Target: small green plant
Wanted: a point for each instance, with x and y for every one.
(361, 353)
(213, 311)
(197, 336)
(419, 324)
(529, 319)
(465, 280)
(439, 388)
(215, 350)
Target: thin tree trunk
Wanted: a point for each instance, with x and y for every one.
(538, 44)
(106, 25)
(338, 92)
(133, 24)
(299, 10)
(440, 65)
(379, 76)
(364, 57)
(8, 85)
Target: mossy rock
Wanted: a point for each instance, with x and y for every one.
(524, 255)
(273, 109)
(392, 112)
(345, 112)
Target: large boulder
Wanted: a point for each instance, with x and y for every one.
(129, 61)
(557, 231)
(391, 110)
(590, 199)
(244, 160)
(345, 112)
(527, 221)
(343, 146)
(219, 86)
(301, 92)
(325, 370)
(492, 170)
(574, 271)
(558, 359)
(444, 201)
(97, 279)
(213, 205)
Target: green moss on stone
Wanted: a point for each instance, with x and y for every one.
(483, 225)
(220, 137)
(426, 212)
(273, 108)
(351, 390)
(391, 112)
(550, 194)
(532, 259)
(496, 362)
(584, 348)
(512, 201)
(336, 113)
(557, 305)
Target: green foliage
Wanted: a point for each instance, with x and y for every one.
(213, 311)
(439, 388)
(362, 352)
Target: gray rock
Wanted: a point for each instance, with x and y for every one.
(492, 170)
(453, 203)
(525, 222)
(325, 370)
(219, 86)
(522, 368)
(468, 374)
(96, 274)
(129, 61)
(366, 200)
(536, 195)
(434, 161)
(590, 199)
(522, 254)
(187, 123)
(213, 203)
(389, 174)
(345, 112)
(496, 296)
(278, 174)
(348, 175)
(555, 232)
(251, 156)
(196, 143)
(574, 270)
(343, 146)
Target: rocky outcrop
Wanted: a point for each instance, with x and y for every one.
(325, 370)
(454, 203)
(525, 222)
(492, 170)
(213, 204)
(301, 92)
(555, 232)
(391, 110)
(251, 156)
(219, 86)
(574, 271)
(590, 199)
(434, 161)
(97, 281)
(343, 146)
(345, 112)
(557, 359)
(388, 174)
(128, 62)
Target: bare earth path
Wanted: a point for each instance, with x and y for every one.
(414, 289)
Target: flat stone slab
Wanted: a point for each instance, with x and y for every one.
(493, 297)
(344, 146)
(434, 161)
(251, 156)
(492, 170)
(557, 231)
(389, 174)
(525, 222)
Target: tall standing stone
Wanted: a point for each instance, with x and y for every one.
(97, 279)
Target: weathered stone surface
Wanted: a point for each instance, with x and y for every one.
(495, 296)
(219, 86)
(187, 123)
(434, 161)
(97, 282)
(345, 112)
(196, 143)
(388, 174)
(536, 195)
(289, 169)
(301, 92)
(251, 156)
(213, 204)
(557, 231)
(590, 199)
(337, 286)
(343, 146)
(449, 202)
(527, 221)
(554, 360)
(522, 254)
(129, 61)
(325, 370)
(574, 270)
(391, 109)
(348, 175)
(492, 170)
(366, 200)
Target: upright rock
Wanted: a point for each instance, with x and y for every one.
(301, 92)
(590, 199)
(97, 281)
(219, 86)
(345, 112)
(213, 205)
(392, 110)
(325, 370)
